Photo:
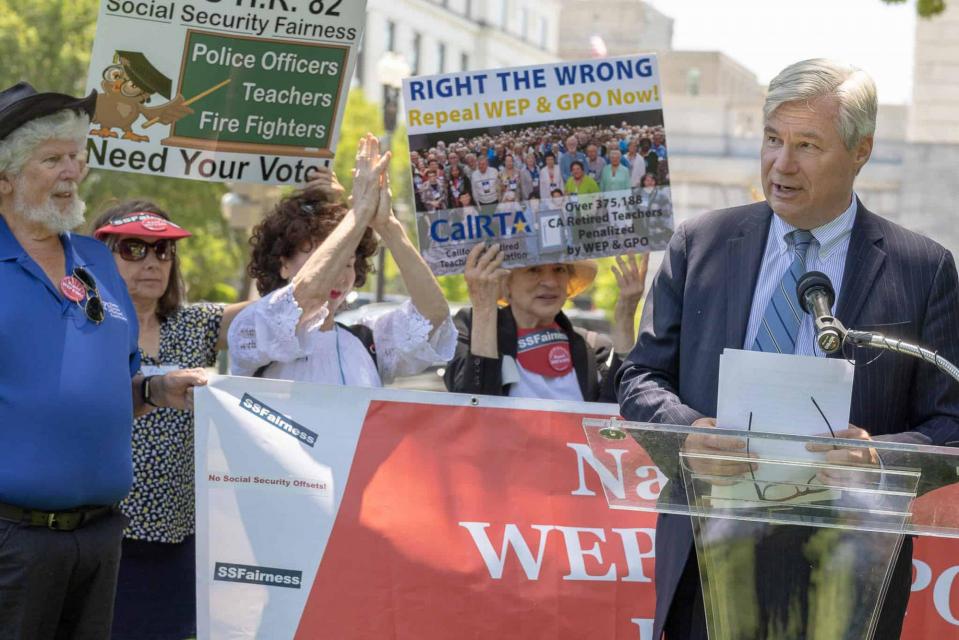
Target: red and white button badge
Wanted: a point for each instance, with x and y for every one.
(72, 288)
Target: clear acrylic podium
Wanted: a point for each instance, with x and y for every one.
(795, 544)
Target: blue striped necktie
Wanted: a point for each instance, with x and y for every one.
(783, 316)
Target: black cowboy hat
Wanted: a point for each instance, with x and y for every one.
(21, 103)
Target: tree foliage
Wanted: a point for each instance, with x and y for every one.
(925, 8)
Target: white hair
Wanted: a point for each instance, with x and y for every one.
(17, 148)
(854, 90)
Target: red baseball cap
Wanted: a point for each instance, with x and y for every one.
(142, 223)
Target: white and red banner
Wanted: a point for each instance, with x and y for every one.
(332, 512)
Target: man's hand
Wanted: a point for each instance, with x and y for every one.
(175, 389)
(847, 456)
(484, 276)
(709, 444)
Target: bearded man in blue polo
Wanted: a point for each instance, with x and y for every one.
(69, 382)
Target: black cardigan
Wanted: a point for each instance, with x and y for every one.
(593, 359)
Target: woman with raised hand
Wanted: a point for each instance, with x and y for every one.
(308, 254)
(529, 348)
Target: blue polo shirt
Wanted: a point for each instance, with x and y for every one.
(65, 396)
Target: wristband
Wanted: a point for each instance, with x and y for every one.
(145, 391)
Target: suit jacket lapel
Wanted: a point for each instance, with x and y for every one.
(744, 254)
(864, 261)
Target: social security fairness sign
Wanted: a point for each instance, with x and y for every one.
(231, 90)
(615, 99)
(349, 513)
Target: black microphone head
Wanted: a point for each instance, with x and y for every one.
(810, 281)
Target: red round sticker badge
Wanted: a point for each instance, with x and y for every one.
(559, 359)
(154, 224)
(72, 288)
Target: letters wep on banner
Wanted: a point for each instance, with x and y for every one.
(420, 516)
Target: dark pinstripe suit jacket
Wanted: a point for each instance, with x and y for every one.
(895, 281)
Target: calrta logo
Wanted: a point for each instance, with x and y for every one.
(480, 226)
(249, 574)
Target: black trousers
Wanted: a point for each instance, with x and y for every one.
(156, 591)
(59, 585)
(687, 614)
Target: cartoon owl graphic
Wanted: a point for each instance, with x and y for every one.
(128, 85)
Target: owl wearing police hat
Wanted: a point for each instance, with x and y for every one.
(128, 85)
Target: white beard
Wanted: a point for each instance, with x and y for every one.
(49, 214)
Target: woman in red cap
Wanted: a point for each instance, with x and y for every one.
(155, 590)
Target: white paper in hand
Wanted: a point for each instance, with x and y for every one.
(782, 393)
(779, 390)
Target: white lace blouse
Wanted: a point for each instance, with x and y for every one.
(266, 333)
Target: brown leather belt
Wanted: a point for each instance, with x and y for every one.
(68, 520)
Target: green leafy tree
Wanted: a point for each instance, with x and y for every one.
(925, 8)
(47, 43)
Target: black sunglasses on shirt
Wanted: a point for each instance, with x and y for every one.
(92, 305)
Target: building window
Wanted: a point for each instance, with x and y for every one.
(417, 45)
(543, 32)
(390, 35)
(468, 9)
(441, 58)
(524, 23)
(504, 14)
(692, 81)
(464, 62)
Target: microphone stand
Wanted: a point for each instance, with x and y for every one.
(879, 341)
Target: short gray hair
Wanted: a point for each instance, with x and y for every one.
(819, 77)
(17, 148)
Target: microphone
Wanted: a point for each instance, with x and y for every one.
(816, 296)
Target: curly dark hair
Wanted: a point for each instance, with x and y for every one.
(171, 300)
(305, 217)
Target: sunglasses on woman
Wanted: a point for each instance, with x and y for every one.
(135, 250)
(92, 306)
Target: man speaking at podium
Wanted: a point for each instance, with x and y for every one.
(717, 289)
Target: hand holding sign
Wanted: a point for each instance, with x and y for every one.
(484, 275)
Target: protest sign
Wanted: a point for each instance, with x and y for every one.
(556, 162)
(341, 512)
(221, 91)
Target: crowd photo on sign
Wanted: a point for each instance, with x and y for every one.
(538, 164)
(586, 187)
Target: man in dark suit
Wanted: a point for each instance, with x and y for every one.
(718, 288)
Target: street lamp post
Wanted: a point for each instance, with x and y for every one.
(391, 69)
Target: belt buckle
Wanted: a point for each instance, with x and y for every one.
(52, 522)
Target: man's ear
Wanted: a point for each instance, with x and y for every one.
(862, 152)
(6, 184)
